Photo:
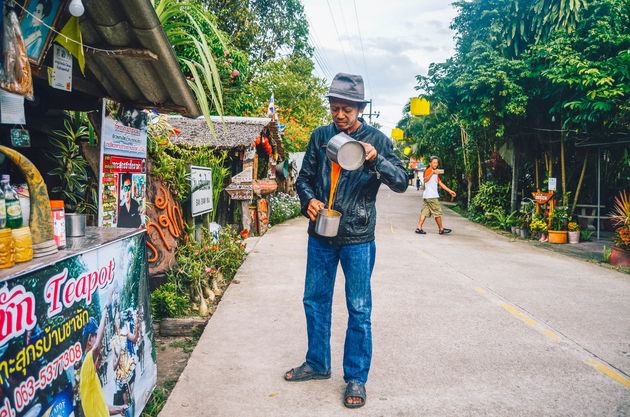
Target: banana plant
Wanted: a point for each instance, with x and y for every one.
(182, 21)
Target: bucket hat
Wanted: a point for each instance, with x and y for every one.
(347, 87)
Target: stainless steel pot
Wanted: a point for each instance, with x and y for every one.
(327, 225)
(345, 151)
(75, 224)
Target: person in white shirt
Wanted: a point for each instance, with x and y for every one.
(431, 205)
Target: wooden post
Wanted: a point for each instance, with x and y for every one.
(514, 194)
(579, 186)
(565, 197)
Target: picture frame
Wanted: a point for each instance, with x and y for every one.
(37, 37)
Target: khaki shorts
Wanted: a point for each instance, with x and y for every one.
(431, 207)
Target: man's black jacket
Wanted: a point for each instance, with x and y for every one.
(356, 191)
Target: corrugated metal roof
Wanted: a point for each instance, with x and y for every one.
(230, 132)
(139, 81)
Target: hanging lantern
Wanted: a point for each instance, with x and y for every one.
(407, 150)
(420, 106)
(398, 134)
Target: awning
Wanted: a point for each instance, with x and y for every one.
(143, 72)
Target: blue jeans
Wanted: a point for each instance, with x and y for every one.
(357, 262)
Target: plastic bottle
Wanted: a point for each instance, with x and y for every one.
(59, 222)
(3, 210)
(14, 209)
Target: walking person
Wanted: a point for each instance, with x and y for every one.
(431, 204)
(353, 246)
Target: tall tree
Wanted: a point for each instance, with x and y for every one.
(264, 28)
(297, 93)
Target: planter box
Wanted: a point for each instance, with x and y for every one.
(170, 327)
(574, 237)
(557, 236)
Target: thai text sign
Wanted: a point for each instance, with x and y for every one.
(201, 186)
(76, 337)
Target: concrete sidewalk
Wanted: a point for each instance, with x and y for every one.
(471, 323)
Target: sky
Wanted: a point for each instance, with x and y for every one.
(394, 41)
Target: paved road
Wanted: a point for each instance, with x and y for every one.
(467, 324)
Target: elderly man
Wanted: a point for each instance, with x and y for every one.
(353, 246)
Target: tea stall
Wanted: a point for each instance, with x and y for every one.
(76, 336)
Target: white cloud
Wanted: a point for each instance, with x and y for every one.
(401, 38)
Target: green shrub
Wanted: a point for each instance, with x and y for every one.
(167, 302)
(490, 198)
(586, 235)
(283, 207)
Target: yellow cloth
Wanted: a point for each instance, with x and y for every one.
(92, 399)
(71, 39)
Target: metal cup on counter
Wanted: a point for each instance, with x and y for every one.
(345, 151)
(327, 225)
(75, 224)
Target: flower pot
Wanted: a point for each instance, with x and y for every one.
(524, 233)
(574, 237)
(619, 257)
(557, 236)
(514, 230)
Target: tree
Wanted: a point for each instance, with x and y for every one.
(264, 29)
(298, 95)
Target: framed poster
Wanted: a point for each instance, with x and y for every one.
(35, 25)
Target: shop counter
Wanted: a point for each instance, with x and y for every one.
(77, 322)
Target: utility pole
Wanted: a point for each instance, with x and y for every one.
(370, 114)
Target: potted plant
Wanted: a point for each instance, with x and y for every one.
(620, 217)
(538, 225)
(558, 225)
(524, 227)
(574, 232)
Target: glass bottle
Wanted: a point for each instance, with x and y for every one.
(14, 210)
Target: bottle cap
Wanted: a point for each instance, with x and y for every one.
(5, 177)
(56, 204)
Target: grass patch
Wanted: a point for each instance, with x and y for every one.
(459, 210)
(158, 398)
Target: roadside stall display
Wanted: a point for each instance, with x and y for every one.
(76, 331)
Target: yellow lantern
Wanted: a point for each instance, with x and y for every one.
(407, 150)
(398, 134)
(420, 106)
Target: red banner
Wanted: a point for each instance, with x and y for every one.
(116, 164)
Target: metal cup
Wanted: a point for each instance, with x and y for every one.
(75, 224)
(345, 151)
(327, 225)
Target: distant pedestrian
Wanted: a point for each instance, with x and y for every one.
(431, 205)
(353, 246)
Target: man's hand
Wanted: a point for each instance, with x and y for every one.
(452, 193)
(370, 151)
(313, 208)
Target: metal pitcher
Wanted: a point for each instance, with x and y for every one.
(345, 151)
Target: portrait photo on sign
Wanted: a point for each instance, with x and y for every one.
(128, 209)
(35, 25)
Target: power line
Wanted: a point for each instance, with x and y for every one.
(343, 49)
(323, 65)
(367, 74)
